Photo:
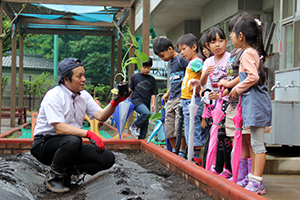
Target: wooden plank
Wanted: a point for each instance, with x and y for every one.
(7, 115)
(112, 61)
(119, 57)
(6, 108)
(115, 3)
(20, 114)
(67, 32)
(134, 3)
(32, 20)
(13, 78)
(124, 17)
(131, 54)
(1, 31)
(21, 53)
(146, 26)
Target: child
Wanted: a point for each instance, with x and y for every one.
(215, 68)
(232, 79)
(144, 90)
(188, 47)
(206, 120)
(256, 102)
(163, 47)
(204, 51)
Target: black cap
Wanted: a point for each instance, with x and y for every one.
(66, 65)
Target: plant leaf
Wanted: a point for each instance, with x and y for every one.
(139, 62)
(156, 116)
(133, 39)
(137, 52)
(144, 57)
(132, 60)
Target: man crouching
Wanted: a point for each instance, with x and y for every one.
(58, 134)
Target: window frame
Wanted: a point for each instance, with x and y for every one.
(293, 20)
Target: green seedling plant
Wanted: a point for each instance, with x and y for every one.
(139, 59)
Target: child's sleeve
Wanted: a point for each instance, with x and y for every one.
(183, 62)
(206, 64)
(197, 65)
(154, 88)
(249, 63)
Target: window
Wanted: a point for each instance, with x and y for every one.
(297, 5)
(297, 44)
(288, 46)
(287, 8)
(290, 34)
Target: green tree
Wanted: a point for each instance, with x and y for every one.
(4, 83)
(7, 28)
(96, 50)
(38, 86)
(101, 92)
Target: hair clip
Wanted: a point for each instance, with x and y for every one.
(258, 22)
(261, 57)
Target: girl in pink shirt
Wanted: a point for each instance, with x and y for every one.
(215, 69)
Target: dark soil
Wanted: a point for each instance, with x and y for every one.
(139, 176)
(179, 187)
(135, 175)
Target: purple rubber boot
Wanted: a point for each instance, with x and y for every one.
(244, 182)
(243, 169)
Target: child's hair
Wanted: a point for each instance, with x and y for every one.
(202, 45)
(148, 63)
(248, 26)
(212, 34)
(233, 21)
(188, 39)
(161, 45)
(235, 18)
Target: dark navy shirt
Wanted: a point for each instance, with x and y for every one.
(143, 87)
(176, 67)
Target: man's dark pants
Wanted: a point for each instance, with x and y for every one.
(68, 150)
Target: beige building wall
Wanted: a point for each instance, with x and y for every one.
(225, 10)
(188, 26)
(175, 33)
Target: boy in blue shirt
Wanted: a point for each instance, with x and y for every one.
(163, 47)
(144, 90)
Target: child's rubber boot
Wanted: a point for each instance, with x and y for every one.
(244, 182)
(243, 169)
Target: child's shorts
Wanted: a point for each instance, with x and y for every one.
(199, 136)
(229, 125)
(171, 118)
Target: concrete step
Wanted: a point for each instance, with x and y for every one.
(276, 164)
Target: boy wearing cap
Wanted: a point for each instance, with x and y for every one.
(58, 134)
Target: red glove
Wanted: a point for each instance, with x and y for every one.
(95, 140)
(122, 95)
(115, 102)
